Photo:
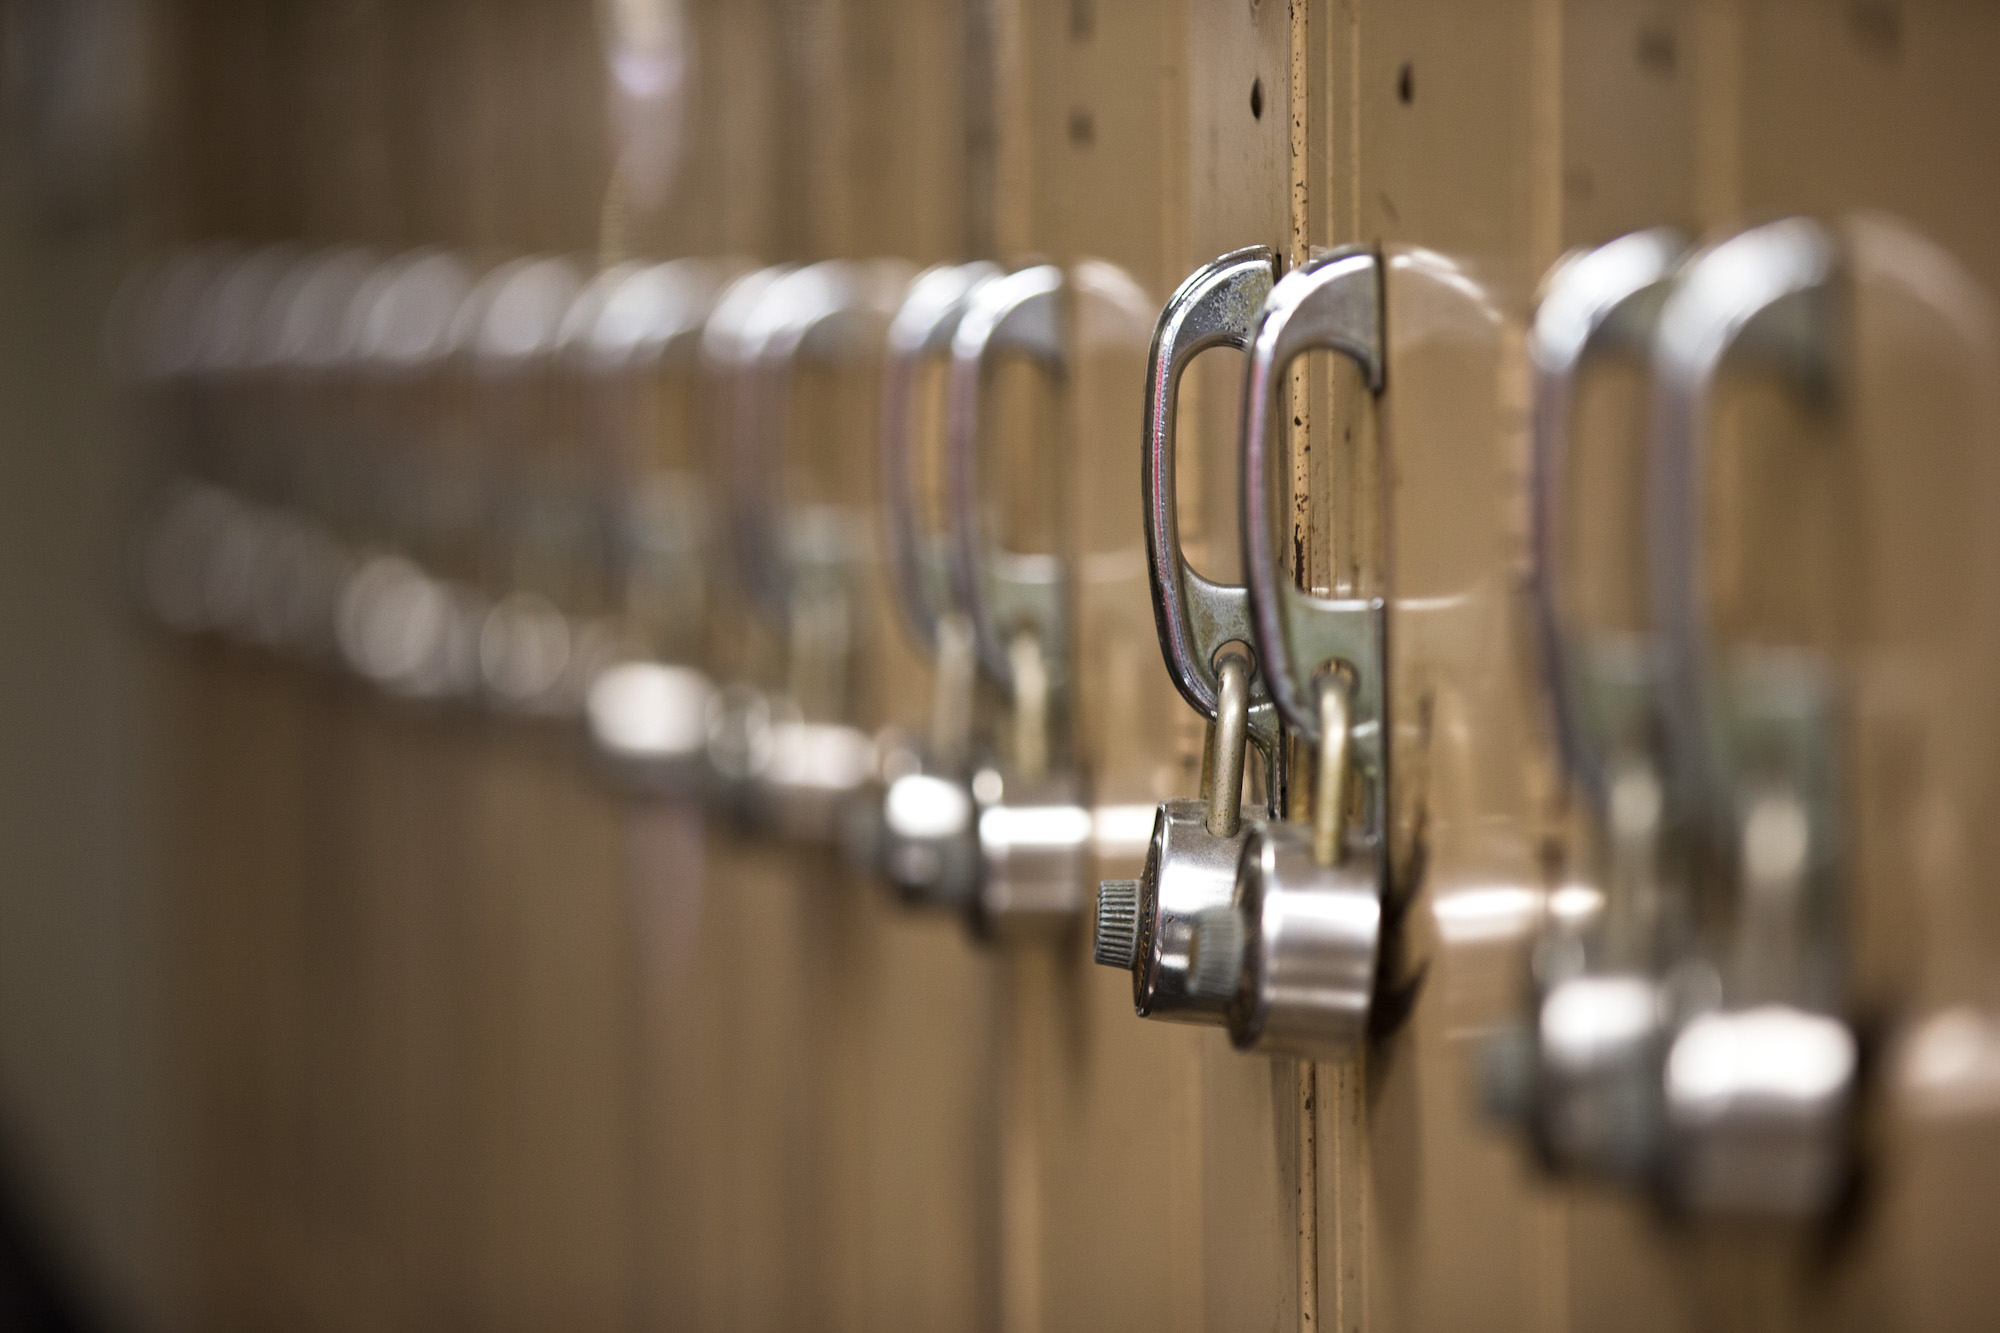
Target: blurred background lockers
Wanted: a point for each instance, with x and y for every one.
(318, 1018)
(320, 1009)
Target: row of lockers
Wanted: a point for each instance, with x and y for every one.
(691, 742)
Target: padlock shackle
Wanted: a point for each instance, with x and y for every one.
(1593, 302)
(1333, 770)
(923, 327)
(1231, 738)
(1217, 306)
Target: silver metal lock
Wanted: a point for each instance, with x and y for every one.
(800, 564)
(1294, 956)
(927, 842)
(1035, 817)
(1582, 1076)
(1760, 1077)
(1147, 925)
(1035, 853)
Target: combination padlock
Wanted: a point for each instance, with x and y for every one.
(926, 841)
(1147, 925)
(1035, 822)
(1293, 958)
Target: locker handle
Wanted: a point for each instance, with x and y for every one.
(726, 354)
(1021, 312)
(640, 315)
(1333, 302)
(831, 314)
(1593, 302)
(923, 327)
(1217, 306)
(1767, 292)
(1044, 313)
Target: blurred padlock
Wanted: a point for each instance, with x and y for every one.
(926, 843)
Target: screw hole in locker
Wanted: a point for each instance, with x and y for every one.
(1256, 99)
(1082, 128)
(1658, 52)
(1406, 84)
(1877, 28)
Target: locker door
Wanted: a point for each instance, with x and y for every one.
(1437, 155)
(821, 1086)
(1160, 1167)
(1912, 480)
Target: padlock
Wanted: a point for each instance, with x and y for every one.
(927, 839)
(1293, 957)
(925, 842)
(1581, 1076)
(1760, 1082)
(1035, 819)
(1035, 823)
(1146, 926)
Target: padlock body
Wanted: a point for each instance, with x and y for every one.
(1188, 871)
(927, 841)
(1759, 1112)
(808, 781)
(1599, 1044)
(649, 727)
(1312, 936)
(1035, 856)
